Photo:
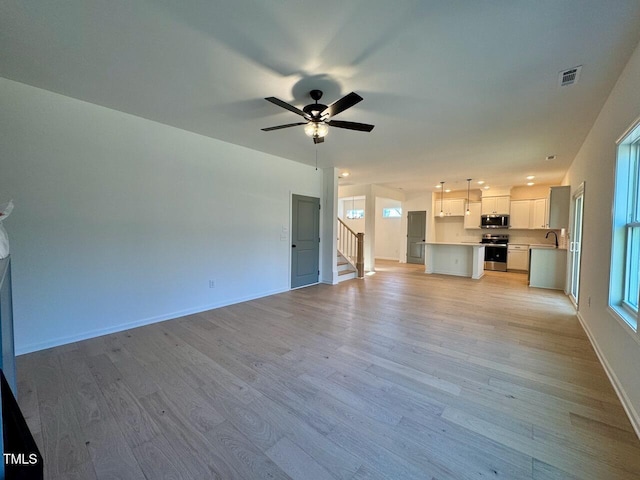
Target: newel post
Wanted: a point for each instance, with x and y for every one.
(360, 255)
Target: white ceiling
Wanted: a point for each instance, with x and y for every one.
(456, 89)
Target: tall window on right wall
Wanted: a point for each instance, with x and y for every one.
(624, 291)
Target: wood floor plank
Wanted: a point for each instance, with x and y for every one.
(64, 448)
(570, 461)
(158, 460)
(111, 455)
(239, 451)
(200, 458)
(401, 375)
(295, 462)
(136, 424)
(285, 421)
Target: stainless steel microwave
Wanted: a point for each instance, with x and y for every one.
(494, 221)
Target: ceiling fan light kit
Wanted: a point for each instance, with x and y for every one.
(318, 116)
(316, 130)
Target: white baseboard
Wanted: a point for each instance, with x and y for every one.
(634, 418)
(56, 342)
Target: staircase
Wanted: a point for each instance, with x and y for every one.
(346, 271)
(350, 253)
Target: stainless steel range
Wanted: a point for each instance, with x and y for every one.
(495, 251)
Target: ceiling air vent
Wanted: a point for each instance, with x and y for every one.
(570, 76)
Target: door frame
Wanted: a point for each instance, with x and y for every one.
(580, 192)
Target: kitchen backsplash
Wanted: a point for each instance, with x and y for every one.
(452, 230)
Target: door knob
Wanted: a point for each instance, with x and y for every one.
(293, 246)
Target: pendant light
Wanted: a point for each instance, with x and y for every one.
(441, 198)
(468, 212)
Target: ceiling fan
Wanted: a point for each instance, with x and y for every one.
(318, 116)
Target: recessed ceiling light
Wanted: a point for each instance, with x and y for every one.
(530, 184)
(447, 190)
(550, 157)
(481, 182)
(486, 187)
(345, 174)
(531, 177)
(438, 186)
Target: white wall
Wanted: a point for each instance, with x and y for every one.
(388, 230)
(120, 221)
(618, 346)
(329, 267)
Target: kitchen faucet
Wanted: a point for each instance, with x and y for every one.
(556, 235)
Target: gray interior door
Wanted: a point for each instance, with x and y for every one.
(416, 230)
(305, 240)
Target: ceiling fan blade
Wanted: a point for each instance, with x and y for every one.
(361, 127)
(341, 105)
(278, 127)
(318, 140)
(287, 106)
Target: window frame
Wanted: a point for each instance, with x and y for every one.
(358, 216)
(626, 221)
(389, 209)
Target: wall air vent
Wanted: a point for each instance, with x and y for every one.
(570, 76)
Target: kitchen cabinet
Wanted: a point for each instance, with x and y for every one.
(548, 267)
(495, 205)
(518, 257)
(539, 213)
(559, 203)
(452, 207)
(473, 219)
(520, 216)
(552, 212)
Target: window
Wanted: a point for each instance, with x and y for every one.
(392, 212)
(354, 214)
(624, 290)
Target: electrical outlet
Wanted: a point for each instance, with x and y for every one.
(212, 284)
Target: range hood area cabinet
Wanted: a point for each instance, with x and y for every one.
(451, 207)
(496, 205)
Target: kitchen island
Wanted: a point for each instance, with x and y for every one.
(460, 259)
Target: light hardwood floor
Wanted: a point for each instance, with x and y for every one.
(398, 376)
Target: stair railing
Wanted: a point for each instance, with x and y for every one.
(351, 246)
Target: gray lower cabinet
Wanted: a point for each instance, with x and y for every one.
(548, 268)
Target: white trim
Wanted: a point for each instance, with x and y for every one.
(634, 418)
(34, 347)
(613, 311)
(621, 139)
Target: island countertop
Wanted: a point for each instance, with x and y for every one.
(459, 244)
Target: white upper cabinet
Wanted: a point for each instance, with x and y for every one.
(552, 212)
(520, 216)
(539, 213)
(451, 207)
(473, 219)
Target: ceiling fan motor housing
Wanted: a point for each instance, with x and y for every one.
(314, 110)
